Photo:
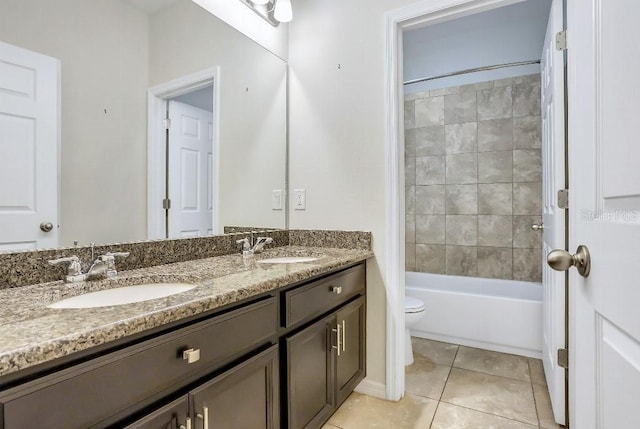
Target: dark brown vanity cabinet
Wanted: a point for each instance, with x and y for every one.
(110, 389)
(286, 359)
(172, 416)
(245, 396)
(325, 359)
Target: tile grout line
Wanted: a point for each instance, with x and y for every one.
(445, 385)
(489, 414)
(533, 393)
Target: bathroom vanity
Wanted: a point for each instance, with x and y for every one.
(284, 351)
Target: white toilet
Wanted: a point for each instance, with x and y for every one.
(413, 312)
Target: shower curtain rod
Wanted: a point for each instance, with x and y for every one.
(477, 69)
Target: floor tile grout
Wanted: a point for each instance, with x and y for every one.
(493, 375)
(488, 414)
(528, 382)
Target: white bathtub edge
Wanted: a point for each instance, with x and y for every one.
(502, 348)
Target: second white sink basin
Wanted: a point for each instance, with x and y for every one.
(287, 260)
(122, 295)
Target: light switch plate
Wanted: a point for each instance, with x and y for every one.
(299, 199)
(276, 199)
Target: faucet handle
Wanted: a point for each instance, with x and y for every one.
(245, 243)
(75, 268)
(74, 271)
(110, 259)
(117, 254)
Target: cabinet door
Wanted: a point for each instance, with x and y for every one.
(310, 375)
(246, 396)
(171, 416)
(350, 362)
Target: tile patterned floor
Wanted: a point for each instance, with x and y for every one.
(457, 387)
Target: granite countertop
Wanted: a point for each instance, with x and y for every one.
(31, 333)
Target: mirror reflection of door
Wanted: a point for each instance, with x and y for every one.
(29, 124)
(190, 164)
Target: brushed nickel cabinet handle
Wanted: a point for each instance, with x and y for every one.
(191, 355)
(336, 289)
(344, 336)
(537, 227)
(338, 332)
(204, 416)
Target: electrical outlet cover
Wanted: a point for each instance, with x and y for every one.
(299, 199)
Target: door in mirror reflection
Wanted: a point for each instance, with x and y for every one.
(29, 101)
(190, 175)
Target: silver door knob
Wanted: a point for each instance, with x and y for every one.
(537, 227)
(46, 226)
(561, 260)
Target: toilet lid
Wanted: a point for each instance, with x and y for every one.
(413, 305)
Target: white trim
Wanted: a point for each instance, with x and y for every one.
(426, 12)
(372, 388)
(157, 100)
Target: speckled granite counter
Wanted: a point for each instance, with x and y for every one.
(31, 333)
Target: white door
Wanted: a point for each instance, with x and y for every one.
(190, 174)
(29, 94)
(604, 207)
(553, 218)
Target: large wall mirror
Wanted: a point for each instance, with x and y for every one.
(225, 150)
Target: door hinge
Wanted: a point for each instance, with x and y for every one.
(563, 358)
(167, 124)
(563, 199)
(166, 204)
(561, 40)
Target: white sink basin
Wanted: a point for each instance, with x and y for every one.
(287, 260)
(122, 295)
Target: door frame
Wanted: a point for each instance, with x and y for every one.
(157, 99)
(423, 13)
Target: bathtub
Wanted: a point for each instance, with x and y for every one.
(499, 315)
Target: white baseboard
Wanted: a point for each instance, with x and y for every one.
(372, 388)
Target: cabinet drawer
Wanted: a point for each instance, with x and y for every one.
(316, 298)
(115, 385)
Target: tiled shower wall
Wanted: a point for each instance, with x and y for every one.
(473, 174)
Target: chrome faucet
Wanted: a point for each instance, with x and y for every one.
(257, 246)
(260, 243)
(102, 267)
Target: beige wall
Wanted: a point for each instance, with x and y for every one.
(186, 39)
(103, 109)
(337, 147)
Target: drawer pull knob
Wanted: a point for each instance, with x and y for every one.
(336, 289)
(191, 355)
(204, 417)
